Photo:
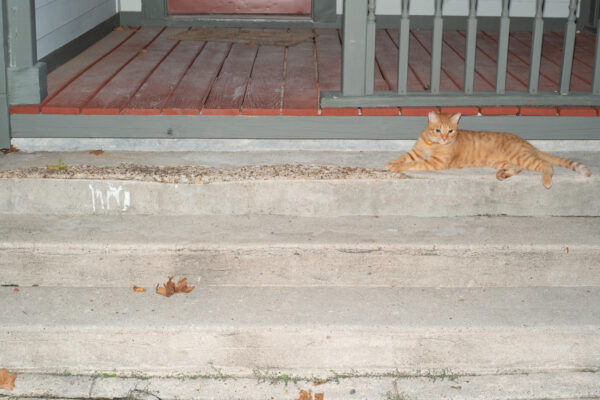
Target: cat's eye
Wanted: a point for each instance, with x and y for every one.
(437, 130)
(450, 130)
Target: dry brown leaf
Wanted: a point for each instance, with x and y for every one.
(304, 395)
(319, 396)
(12, 149)
(119, 28)
(143, 50)
(317, 382)
(97, 152)
(171, 288)
(7, 381)
(16, 290)
(138, 289)
(182, 286)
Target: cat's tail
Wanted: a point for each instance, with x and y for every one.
(565, 162)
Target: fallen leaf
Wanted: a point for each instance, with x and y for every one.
(12, 149)
(58, 167)
(7, 381)
(143, 50)
(170, 287)
(16, 290)
(119, 28)
(567, 250)
(182, 286)
(96, 152)
(304, 395)
(138, 289)
(317, 382)
(319, 396)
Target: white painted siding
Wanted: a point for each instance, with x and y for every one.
(518, 8)
(130, 5)
(60, 21)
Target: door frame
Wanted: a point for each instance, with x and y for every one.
(155, 12)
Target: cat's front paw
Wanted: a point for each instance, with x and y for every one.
(393, 166)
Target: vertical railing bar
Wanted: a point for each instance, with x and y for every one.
(370, 50)
(436, 48)
(354, 27)
(471, 47)
(403, 45)
(503, 37)
(568, 49)
(596, 79)
(536, 47)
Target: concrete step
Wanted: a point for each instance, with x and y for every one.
(300, 331)
(540, 386)
(314, 184)
(120, 251)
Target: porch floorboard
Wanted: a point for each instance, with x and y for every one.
(140, 71)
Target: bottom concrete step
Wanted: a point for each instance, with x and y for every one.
(300, 331)
(561, 385)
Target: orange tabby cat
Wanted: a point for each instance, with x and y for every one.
(442, 145)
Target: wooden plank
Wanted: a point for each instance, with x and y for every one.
(552, 51)
(300, 96)
(386, 54)
(192, 91)
(229, 88)
(380, 82)
(148, 100)
(584, 40)
(485, 69)
(550, 63)
(329, 59)
(72, 98)
(583, 60)
(263, 96)
(66, 73)
(116, 93)
(452, 70)
(517, 71)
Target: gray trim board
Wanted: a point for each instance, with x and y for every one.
(390, 99)
(26, 76)
(247, 127)
(4, 114)
(63, 54)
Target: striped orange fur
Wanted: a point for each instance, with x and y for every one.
(443, 145)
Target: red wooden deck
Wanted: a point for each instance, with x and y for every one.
(142, 72)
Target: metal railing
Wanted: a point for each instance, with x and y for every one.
(358, 62)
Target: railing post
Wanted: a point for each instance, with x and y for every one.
(370, 51)
(471, 47)
(503, 37)
(26, 76)
(536, 47)
(354, 35)
(568, 49)
(4, 115)
(596, 79)
(403, 46)
(436, 48)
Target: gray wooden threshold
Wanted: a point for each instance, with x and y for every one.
(283, 127)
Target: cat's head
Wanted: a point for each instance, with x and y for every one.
(442, 128)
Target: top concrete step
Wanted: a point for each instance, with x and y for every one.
(286, 183)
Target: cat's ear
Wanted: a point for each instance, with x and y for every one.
(455, 118)
(434, 118)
